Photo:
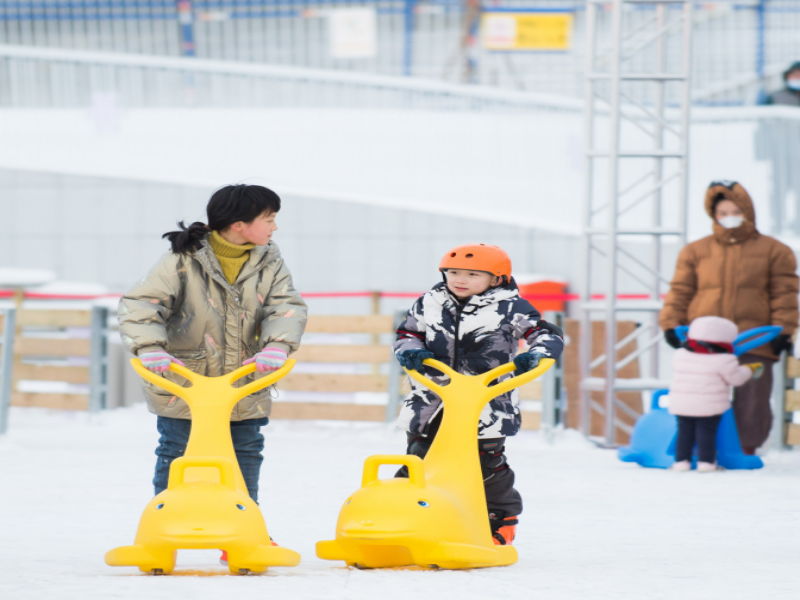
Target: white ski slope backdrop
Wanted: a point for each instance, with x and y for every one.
(74, 485)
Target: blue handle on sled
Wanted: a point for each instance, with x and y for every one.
(746, 341)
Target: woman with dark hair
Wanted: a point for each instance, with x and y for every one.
(222, 297)
(746, 277)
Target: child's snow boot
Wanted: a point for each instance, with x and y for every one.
(504, 529)
(704, 467)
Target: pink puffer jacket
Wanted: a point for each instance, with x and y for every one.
(701, 383)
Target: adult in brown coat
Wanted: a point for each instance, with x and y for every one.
(744, 276)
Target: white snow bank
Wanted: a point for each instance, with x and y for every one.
(519, 169)
(17, 277)
(74, 486)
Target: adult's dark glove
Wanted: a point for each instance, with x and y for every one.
(781, 343)
(412, 358)
(527, 361)
(672, 338)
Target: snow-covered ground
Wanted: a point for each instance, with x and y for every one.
(73, 486)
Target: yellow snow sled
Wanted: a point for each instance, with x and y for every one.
(437, 517)
(206, 504)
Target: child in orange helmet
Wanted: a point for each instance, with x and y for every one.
(473, 321)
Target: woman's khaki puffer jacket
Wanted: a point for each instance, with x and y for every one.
(738, 274)
(185, 307)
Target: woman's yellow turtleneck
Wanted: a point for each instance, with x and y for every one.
(231, 257)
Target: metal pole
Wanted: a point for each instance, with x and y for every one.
(408, 37)
(6, 365)
(658, 175)
(686, 106)
(99, 359)
(552, 384)
(585, 349)
(777, 436)
(611, 232)
(760, 57)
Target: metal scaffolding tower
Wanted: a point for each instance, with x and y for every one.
(636, 187)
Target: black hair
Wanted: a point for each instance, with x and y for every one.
(794, 67)
(228, 205)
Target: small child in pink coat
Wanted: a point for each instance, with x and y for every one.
(705, 368)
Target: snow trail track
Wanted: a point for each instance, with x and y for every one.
(74, 485)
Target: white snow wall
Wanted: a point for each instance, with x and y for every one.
(372, 197)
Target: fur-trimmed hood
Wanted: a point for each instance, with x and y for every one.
(733, 191)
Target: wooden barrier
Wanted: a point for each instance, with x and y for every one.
(50, 343)
(792, 403)
(375, 354)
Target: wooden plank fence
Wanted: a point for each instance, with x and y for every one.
(48, 344)
(42, 337)
(791, 403)
(375, 354)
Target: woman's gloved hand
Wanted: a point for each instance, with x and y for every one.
(781, 343)
(269, 359)
(672, 338)
(412, 358)
(756, 368)
(527, 361)
(158, 362)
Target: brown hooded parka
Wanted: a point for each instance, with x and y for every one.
(738, 274)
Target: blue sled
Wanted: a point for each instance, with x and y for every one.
(654, 435)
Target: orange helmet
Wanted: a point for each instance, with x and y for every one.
(478, 257)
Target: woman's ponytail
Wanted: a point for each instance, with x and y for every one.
(187, 239)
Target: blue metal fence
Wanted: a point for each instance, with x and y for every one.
(742, 45)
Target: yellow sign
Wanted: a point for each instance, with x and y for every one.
(526, 31)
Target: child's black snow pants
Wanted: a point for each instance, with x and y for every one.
(502, 499)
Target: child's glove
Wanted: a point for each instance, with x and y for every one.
(672, 338)
(412, 358)
(781, 343)
(756, 368)
(158, 362)
(269, 359)
(527, 362)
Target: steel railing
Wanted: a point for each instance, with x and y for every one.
(57, 78)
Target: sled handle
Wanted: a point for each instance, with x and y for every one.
(416, 468)
(262, 382)
(427, 381)
(657, 394)
(486, 378)
(745, 341)
(518, 380)
(165, 384)
(753, 338)
(178, 468)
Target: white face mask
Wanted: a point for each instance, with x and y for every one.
(793, 84)
(731, 222)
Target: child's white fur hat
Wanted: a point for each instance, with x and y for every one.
(713, 329)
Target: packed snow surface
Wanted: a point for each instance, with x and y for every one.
(74, 486)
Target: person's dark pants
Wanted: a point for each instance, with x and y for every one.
(248, 442)
(751, 406)
(702, 430)
(502, 499)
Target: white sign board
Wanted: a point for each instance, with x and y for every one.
(353, 32)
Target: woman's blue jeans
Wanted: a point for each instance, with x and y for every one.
(247, 441)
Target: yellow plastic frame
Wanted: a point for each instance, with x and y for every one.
(206, 504)
(437, 517)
